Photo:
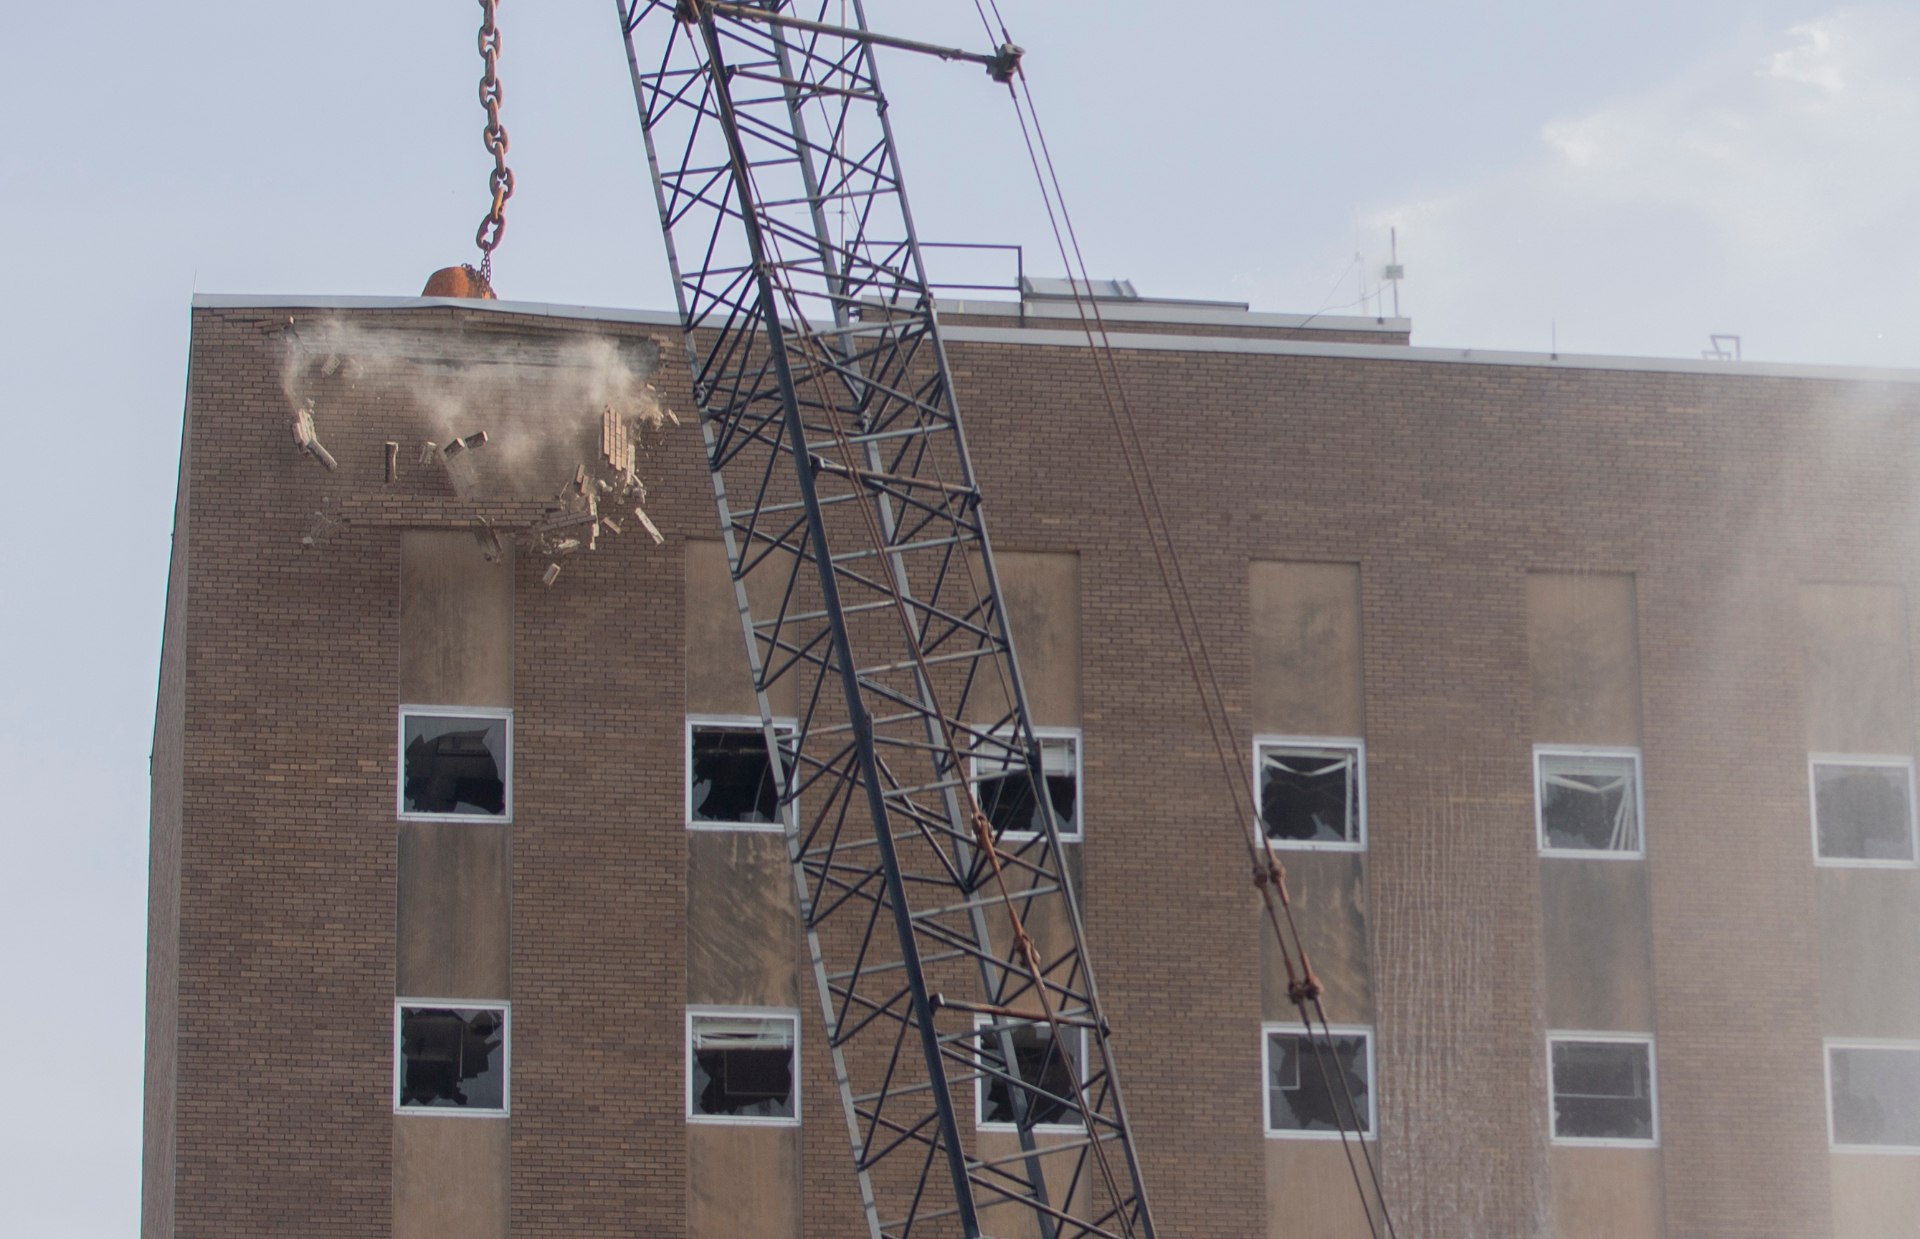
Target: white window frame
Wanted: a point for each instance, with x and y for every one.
(1359, 746)
(1892, 760)
(1826, 1060)
(1652, 1141)
(1074, 831)
(1639, 802)
(506, 1057)
(730, 722)
(1294, 1029)
(489, 713)
(980, 1024)
(789, 1014)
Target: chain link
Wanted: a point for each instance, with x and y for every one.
(500, 180)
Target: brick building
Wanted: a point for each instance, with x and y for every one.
(1580, 692)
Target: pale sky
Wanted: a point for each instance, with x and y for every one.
(1622, 178)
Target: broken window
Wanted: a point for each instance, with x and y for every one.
(1863, 810)
(1603, 1089)
(1874, 1091)
(742, 1066)
(729, 779)
(1006, 794)
(1587, 801)
(1049, 1071)
(449, 1058)
(1312, 792)
(1319, 1087)
(455, 762)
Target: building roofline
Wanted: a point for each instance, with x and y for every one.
(1144, 341)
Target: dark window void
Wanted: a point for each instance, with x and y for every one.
(454, 764)
(453, 1058)
(1863, 812)
(1310, 794)
(742, 1067)
(731, 780)
(1049, 1073)
(1319, 1086)
(1006, 794)
(1876, 1095)
(1603, 1090)
(1588, 803)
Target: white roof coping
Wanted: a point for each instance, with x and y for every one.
(1145, 341)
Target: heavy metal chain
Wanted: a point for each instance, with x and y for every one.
(500, 180)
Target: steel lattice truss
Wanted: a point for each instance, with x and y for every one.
(852, 522)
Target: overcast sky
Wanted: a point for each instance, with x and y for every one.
(1626, 178)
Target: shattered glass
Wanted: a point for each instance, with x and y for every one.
(453, 1057)
(1006, 794)
(1876, 1095)
(1309, 1083)
(1602, 1090)
(731, 781)
(1310, 794)
(454, 765)
(742, 1067)
(1043, 1064)
(1863, 812)
(1588, 803)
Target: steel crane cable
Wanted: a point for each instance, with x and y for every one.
(1303, 988)
(981, 826)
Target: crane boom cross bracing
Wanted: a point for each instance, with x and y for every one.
(848, 503)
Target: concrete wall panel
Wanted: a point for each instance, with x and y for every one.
(453, 909)
(1306, 649)
(1041, 592)
(743, 1181)
(1582, 649)
(1329, 895)
(743, 932)
(1875, 1196)
(1869, 945)
(1599, 945)
(456, 621)
(1859, 681)
(449, 1177)
(1310, 1191)
(718, 680)
(1607, 1194)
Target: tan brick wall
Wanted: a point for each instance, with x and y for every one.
(1446, 483)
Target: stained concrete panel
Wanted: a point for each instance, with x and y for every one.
(743, 932)
(1310, 1191)
(449, 1177)
(1306, 649)
(1329, 895)
(1608, 1194)
(1859, 681)
(1065, 1190)
(1875, 1196)
(719, 680)
(456, 621)
(1041, 593)
(1870, 953)
(743, 1181)
(453, 910)
(1596, 916)
(1583, 652)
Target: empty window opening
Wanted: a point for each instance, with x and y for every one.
(1318, 1087)
(1006, 794)
(1049, 1072)
(1588, 801)
(742, 1067)
(451, 1059)
(454, 764)
(1603, 1089)
(730, 781)
(1874, 1089)
(1311, 792)
(1863, 810)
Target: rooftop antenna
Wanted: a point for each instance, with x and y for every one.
(1394, 272)
(1725, 347)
